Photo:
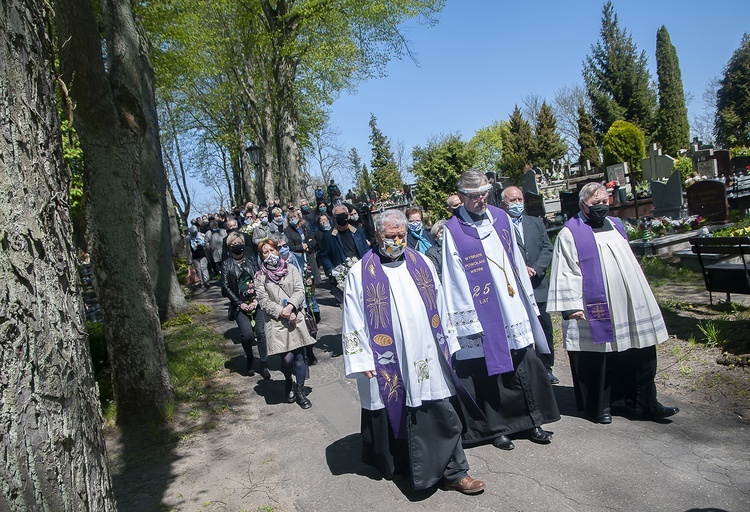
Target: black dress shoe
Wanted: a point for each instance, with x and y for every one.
(503, 442)
(552, 378)
(291, 396)
(660, 411)
(605, 418)
(538, 435)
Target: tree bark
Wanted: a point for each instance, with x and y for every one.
(51, 437)
(112, 124)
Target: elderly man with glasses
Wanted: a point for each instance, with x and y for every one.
(491, 303)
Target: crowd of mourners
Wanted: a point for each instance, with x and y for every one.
(446, 330)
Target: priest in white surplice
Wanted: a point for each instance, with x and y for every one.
(611, 321)
(397, 344)
(491, 302)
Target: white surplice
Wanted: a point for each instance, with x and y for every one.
(636, 316)
(516, 311)
(418, 356)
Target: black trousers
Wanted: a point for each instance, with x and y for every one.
(602, 378)
(250, 335)
(548, 360)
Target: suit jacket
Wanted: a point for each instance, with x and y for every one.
(537, 251)
(332, 251)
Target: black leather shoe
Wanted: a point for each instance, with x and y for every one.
(301, 397)
(538, 435)
(604, 419)
(503, 442)
(660, 411)
(264, 370)
(552, 378)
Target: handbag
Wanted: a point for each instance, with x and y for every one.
(311, 324)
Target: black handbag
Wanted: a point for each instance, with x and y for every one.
(312, 325)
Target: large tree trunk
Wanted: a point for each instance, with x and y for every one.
(51, 438)
(156, 216)
(111, 123)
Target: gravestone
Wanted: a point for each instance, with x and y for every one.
(667, 196)
(723, 162)
(569, 204)
(617, 172)
(709, 200)
(707, 168)
(528, 182)
(740, 164)
(534, 204)
(657, 166)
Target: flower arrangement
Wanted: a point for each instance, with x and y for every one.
(340, 272)
(612, 184)
(694, 179)
(247, 295)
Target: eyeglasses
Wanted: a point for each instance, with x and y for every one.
(476, 196)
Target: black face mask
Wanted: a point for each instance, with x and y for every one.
(342, 219)
(597, 214)
(238, 249)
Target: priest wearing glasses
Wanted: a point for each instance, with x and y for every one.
(397, 344)
(491, 303)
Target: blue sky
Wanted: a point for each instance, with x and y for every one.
(484, 57)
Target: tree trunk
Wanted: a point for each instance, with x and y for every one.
(51, 437)
(111, 123)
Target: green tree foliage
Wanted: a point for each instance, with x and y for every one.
(684, 164)
(587, 139)
(487, 142)
(385, 173)
(624, 142)
(362, 178)
(672, 128)
(437, 167)
(617, 79)
(518, 146)
(732, 126)
(548, 144)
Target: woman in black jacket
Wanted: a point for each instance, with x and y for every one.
(238, 286)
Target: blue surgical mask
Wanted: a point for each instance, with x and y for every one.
(284, 251)
(322, 209)
(515, 209)
(415, 225)
(293, 222)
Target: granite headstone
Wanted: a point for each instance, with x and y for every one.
(529, 183)
(667, 196)
(534, 204)
(617, 172)
(709, 200)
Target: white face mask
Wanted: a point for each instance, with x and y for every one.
(272, 260)
(415, 225)
(392, 248)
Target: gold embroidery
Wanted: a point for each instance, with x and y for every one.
(376, 300)
(391, 384)
(383, 340)
(423, 279)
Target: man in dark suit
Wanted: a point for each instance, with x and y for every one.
(537, 251)
(342, 242)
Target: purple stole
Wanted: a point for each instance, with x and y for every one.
(477, 269)
(380, 327)
(594, 292)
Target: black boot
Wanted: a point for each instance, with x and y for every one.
(250, 360)
(289, 390)
(264, 370)
(302, 399)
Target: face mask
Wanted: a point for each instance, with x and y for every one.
(392, 248)
(305, 208)
(278, 221)
(238, 249)
(515, 209)
(439, 239)
(284, 251)
(415, 225)
(272, 261)
(264, 221)
(325, 227)
(322, 209)
(597, 213)
(342, 219)
(354, 217)
(293, 222)
(215, 230)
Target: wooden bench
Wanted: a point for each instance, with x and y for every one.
(724, 277)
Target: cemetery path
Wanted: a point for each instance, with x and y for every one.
(262, 454)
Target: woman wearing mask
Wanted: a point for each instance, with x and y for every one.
(277, 221)
(324, 226)
(417, 237)
(299, 236)
(262, 229)
(281, 296)
(238, 286)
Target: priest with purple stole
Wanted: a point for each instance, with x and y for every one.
(490, 300)
(397, 344)
(611, 321)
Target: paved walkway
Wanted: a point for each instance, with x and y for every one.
(267, 453)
